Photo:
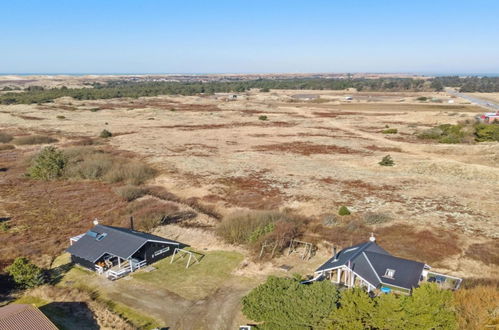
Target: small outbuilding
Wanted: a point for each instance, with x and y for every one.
(24, 317)
(116, 252)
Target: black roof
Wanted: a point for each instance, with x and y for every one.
(370, 261)
(121, 242)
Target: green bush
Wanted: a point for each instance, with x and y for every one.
(263, 117)
(61, 117)
(25, 274)
(105, 134)
(390, 131)
(387, 161)
(4, 138)
(284, 303)
(264, 90)
(94, 109)
(34, 139)
(129, 193)
(487, 132)
(48, 164)
(422, 98)
(344, 211)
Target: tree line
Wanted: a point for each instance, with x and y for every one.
(470, 84)
(119, 89)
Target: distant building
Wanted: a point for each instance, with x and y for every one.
(305, 97)
(24, 317)
(115, 252)
(370, 266)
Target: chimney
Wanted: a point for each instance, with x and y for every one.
(131, 223)
(334, 251)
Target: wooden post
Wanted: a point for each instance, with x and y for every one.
(188, 261)
(119, 262)
(339, 276)
(173, 255)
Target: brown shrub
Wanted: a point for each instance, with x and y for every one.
(129, 193)
(4, 138)
(94, 164)
(306, 148)
(237, 228)
(6, 147)
(488, 252)
(34, 139)
(477, 308)
(150, 213)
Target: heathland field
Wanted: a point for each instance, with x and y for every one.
(301, 152)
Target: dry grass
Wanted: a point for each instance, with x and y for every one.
(306, 148)
(34, 139)
(488, 252)
(75, 308)
(429, 245)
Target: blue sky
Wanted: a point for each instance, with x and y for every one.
(141, 36)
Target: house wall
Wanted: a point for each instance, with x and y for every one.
(147, 252)
(83, 262)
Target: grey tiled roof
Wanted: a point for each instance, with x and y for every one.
(370, 261)
(121, 242)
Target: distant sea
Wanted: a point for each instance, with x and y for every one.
(205, 73)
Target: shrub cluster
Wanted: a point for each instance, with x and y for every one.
(88, 163)
(462, 133)
(344, 211)
(256, 227)
(129, 192)
(390, 131)
(387, 161)
(374, 218)
(284, 303)
(4, 138)
(26, 274)
(34, 139)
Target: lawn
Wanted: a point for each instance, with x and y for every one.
(196, 282)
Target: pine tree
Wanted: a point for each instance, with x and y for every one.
(429, 307)
(355, 311)
(389, 313)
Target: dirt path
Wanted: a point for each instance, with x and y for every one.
(218, 311)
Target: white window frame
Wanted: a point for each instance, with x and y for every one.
(389, 273)
(158, 252)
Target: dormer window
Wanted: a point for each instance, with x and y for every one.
(390, 273)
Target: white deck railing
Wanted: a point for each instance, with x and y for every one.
(137, 265)
(115, 274)
(75, 238)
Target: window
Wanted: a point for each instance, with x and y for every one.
(389, 273)
(92, 233)
(164, 250)
(100, 237)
